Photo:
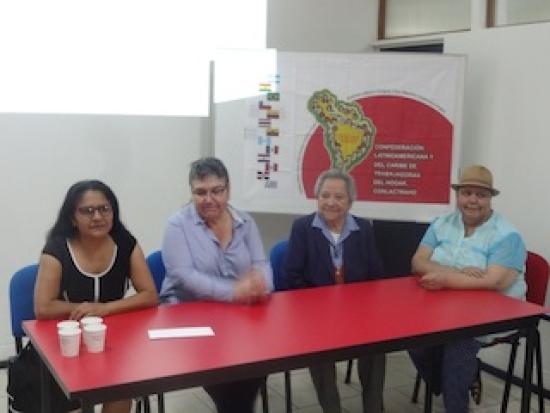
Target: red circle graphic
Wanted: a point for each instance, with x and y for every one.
(410, 160)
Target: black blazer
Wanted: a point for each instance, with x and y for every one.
(308, 262)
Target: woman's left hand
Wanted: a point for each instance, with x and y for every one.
(88, 309)
(250, 288)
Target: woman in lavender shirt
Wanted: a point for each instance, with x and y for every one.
(214, 252)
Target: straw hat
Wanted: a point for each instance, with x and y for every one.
(477, 175)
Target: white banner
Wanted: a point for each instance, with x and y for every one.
(391, 120)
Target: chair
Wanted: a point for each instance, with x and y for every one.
(536, 277)
(22, 301)
(21, 292)
(158, 271)
(277, 258)
(156, 266)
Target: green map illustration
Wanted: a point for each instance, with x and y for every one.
(348, 133)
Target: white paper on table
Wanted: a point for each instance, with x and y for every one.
(180, 332)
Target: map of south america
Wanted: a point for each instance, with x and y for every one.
(348, 134)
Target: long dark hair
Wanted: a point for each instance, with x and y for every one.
(64, 227)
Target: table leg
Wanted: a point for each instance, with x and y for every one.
(428, 398)
(45, 406)
(288, 392)
(528, 369)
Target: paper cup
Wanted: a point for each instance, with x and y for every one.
(90, 320)
(70, 324)
(94, 337)
(69, 341)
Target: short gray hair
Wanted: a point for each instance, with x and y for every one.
(205, 167)
(337, 174)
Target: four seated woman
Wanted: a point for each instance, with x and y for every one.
(88, 261)
(214, 252)
(328, 247)
(473, 247)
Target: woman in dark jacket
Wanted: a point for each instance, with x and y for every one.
(328, 247)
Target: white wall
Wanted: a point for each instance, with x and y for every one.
(144, 159)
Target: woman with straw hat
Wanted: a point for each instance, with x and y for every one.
(471, 248)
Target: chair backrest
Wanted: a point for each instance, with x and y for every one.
(22, 300)
(277, 258)
(536, 277)
(397, 242)
(156, 266)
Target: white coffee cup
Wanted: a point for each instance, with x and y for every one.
(69, 341)
(91, 320)
(94, 337)
(70, 324)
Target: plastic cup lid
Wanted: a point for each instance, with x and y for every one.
(91, 320)
(69, 331)
(95, 327)
(68, 324)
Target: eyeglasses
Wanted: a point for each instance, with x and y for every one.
(214, 192)
(89, 211)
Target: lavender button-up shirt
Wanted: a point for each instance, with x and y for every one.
(197, 268)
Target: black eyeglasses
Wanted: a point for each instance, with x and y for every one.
(89, 211)
(203, 192)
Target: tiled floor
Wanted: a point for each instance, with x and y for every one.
(400, 376)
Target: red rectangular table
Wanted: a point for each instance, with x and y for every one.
(291, 330)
